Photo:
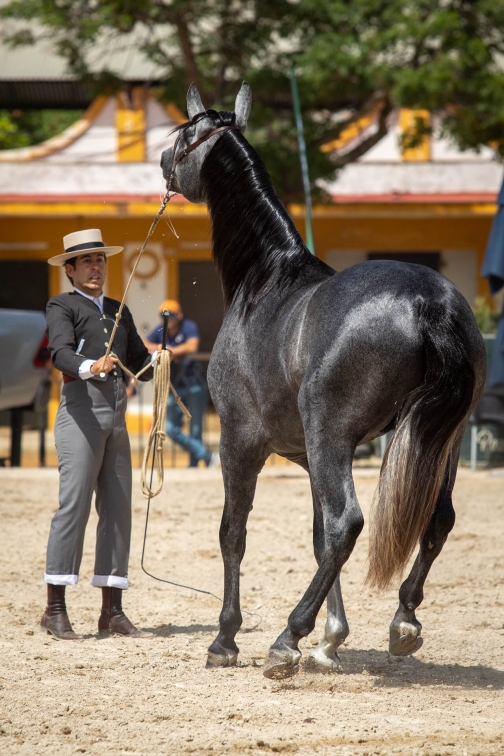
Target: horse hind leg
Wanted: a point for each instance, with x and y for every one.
(405, 630)
(336, 630)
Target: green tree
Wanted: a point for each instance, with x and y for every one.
(21, 128)
(486, 318)
(352, 57)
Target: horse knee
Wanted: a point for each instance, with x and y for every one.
(339, 539)
(232, 540)
(343, 543)
(355, 525)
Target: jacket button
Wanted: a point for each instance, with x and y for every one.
(115, 372)
(106, 343)
(105, 330)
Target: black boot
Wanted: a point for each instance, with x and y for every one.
(113, 620)
(55, 618)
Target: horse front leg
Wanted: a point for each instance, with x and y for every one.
(336, 630)
(240, 468)
(331, 476)
(405, 629)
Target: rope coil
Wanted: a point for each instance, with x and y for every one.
(157, 433)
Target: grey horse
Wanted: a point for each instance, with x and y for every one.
(308, 364)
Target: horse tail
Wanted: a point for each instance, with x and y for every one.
(416, 459)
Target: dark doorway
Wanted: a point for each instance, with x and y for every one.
(430, 259)
(24, 284)
(201, 299)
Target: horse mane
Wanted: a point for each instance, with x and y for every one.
(256, 245)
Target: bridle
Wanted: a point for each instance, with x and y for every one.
(190, 148)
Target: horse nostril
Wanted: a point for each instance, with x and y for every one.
(161, 161)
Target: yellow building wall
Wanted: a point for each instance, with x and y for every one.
(386, 227)
(359, 227)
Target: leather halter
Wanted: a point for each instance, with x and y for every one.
(195, 144)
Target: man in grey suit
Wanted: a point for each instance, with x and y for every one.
(91, 437)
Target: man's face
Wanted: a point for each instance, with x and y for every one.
(174, 323)
(89, 273)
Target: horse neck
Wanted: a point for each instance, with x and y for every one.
(256, 245)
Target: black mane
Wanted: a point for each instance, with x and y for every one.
(256, 245)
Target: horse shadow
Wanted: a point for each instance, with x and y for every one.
(165, 631)
(404, 672)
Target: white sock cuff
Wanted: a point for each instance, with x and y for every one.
(110, 581)
(61, 579)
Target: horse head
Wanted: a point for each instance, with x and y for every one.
(182, 163)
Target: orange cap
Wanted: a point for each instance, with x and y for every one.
(171, 305)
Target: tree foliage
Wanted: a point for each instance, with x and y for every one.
(23, 128)
(351, 56)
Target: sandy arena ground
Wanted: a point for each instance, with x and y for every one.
(151, 697)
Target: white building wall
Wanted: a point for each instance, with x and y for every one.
(97, 145)
(458, 265)
(461, 267)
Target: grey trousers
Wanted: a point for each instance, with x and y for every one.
(93, 455)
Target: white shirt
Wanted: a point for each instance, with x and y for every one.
(98, 301)
(85, 367)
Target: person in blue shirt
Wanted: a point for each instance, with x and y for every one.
(182, 341)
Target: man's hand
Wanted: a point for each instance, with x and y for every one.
(151, 346)
(188, 347)
(98, 366)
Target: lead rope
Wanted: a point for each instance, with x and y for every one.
(162, 383)
(157, 435)
(171, 582)
(118, 316)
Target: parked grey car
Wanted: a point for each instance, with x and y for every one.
(24, 360)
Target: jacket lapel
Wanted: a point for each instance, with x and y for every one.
(109, 307)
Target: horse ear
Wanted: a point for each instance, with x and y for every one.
(243, 105)
(194, 102)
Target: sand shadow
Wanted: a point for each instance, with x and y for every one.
(164, 631)
(403, 672)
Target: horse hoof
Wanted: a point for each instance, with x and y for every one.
(323, 662)
(405, 639)
(226, 659)
(281, 664)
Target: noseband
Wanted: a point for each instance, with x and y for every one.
(192, 147)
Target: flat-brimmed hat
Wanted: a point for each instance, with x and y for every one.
(82, 242)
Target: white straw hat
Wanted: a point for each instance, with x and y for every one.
(82, 242)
